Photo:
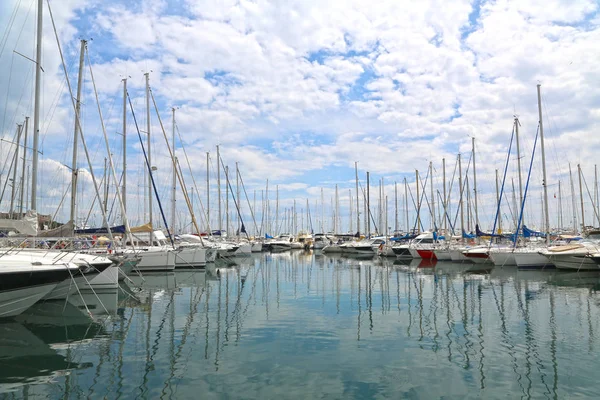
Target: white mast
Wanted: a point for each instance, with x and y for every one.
(277, 209)
(239, 202)
(432, 201)
(357, 197)
(149, 155)
(23, 169)
(124, 188)
(499, 221)
(574, 206)
(581, 199)
(418, 202)
(519, 160)
(74, 171)
(545, 181)
(227, 200)
(445, 200)
(337, 211)
(460, 189)
(406, 205)
(396, 206)
(36, 105)
(208, 191)
(219, 189)
(14, 171)
(475, 184)
(368, 207)
(560, 214)
(174, 179)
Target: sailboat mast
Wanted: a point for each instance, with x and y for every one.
(124, 188)
(418, 202)
(475, 184)
(76, 134)
(432, 198)
(350, 208)
(368, 208)
(519, 160)
(237, 190)
(14, 171)
(174, 178)
(149, 151)
(445, 200)
(277, 209)
(560, 214)
(322, 212)
(395, 206)
(544, 181)
(105, 187)
(581, 199)
(406, 204)
(227, 200)
(357, 197)
(23, 169)
(573, 202)
(36, 104)
(208, 190)
(219, 189)
(595, 184)
(460, 189)
(337, 211)
(499, 221)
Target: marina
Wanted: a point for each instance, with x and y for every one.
(302, 324)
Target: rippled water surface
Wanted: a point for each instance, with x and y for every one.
(298, 325)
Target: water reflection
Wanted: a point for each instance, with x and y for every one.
(298, 325)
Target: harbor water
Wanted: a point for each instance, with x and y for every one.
(298, 325)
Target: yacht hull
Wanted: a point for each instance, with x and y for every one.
(530, 260)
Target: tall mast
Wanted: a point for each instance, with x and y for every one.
(76, 134)
(124, 189)
(174, 178)
(560, 214)
(396, 206)
(595, 185)
(14, 171)
(277, 209)
(418, 202)
(357, 197)
(519, 160)
(574, 206)
(337, 211)
(208, 191)
(544, 181)
(475, 184)
(227, 200)
(237, 193)
(219, 189)
(23, 169)
(460, 189)
(105, 186)
(469, 215)
(351, 206)
(499, 221)
(432, 198)
(149, 151)
(322, 212)
(445, 200)
(268, 210)
(406, 205)
(368, 207)
(36, 104)
(581, 199)
(380, 219)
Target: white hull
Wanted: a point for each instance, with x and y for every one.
(107, 279)
(257, 247)
(531, 259)
(245, 249)
(163, 260)
(387, 252)
(332, 249)
(573, 262)
(414, 253)
(442, 254)
(318, 245)
(456, 255)
(190, 257)
(14, 302)
(502, 258)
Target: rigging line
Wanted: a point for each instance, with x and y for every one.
(228, 183)
(206, 217)
(415, 206)
(502, 188)
(162, 213)
(462, 190)
(594, 206)
(516, 235)
(248, 201)
(9, 26)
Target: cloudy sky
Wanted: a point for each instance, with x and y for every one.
(297, 91)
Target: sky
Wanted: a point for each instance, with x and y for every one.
(296, 92)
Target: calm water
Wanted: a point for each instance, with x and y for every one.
(303, 326)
